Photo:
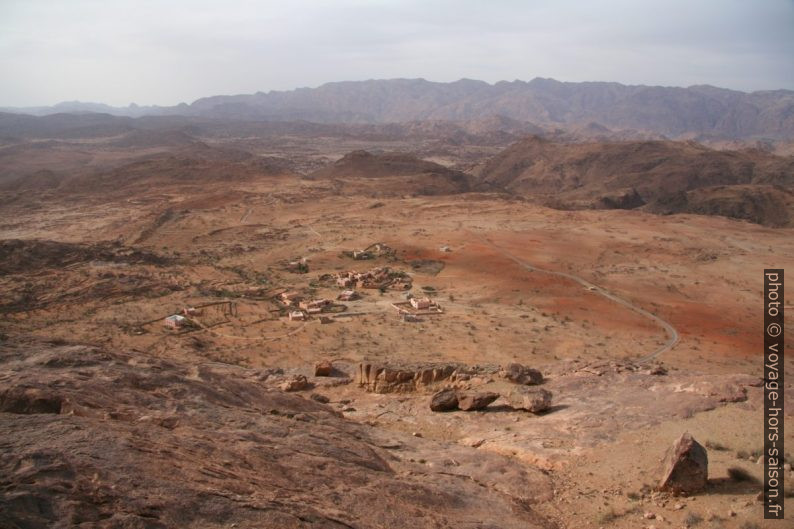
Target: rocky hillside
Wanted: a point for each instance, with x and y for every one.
(150, 443)
(669, 111)
(390, 174)
(630, 174)
(666, 110)
(763, 204)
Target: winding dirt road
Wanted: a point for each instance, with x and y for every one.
(672, 334)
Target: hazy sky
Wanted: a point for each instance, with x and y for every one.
(164, 52)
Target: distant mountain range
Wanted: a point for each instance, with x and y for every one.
(695, 112)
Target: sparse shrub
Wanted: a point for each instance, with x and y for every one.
(607, 516)
(715, 445)
(741, 454)
(692, 519)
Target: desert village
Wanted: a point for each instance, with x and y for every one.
(294, 305)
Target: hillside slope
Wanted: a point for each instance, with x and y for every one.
(362, 172)
(630, 174)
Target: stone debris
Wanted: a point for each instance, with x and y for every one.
(318, 397)
(685, 467)
(295, 383)
(521, 374)
(323, 368)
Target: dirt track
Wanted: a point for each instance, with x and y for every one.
(669, 329)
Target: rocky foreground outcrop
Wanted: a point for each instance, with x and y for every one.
(92, 438)
(385, 378)
(405, 378)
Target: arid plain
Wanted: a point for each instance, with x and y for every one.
(644, 327)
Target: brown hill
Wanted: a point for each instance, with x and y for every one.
(625, 174)
(191, 162)
(142, 138)
(362, 172)
(34, 255)
(763, 204)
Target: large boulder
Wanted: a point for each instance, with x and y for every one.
(533, 400)
(475, 400)
(402, 379)
(686, 467)
(446, 400)
(521, 374)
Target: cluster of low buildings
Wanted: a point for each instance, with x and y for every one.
(301, 307)
(314, 306)
(381, 277)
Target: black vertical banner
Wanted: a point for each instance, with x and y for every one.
(773, 394)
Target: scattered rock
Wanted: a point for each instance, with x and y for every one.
(533, 400)
(323, 368)
(521, 374)
(656, 371)
(472, 401)
(685, 467)
(446, 400)
(295, 383)
(649, 516)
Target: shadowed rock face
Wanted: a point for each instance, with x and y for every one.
(446, 400)
(101, 439)
(686, 467)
